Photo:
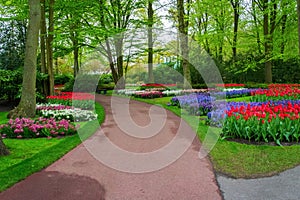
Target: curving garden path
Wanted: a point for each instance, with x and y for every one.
(80, 174)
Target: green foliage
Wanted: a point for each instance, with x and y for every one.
(108, 86)
(256, 85)
(68, 87)
(61, 79)
(199, 86)
(10, 84)
(166, 74)
(84, 83)
(12, 40)
(105, 79)
(252, 70)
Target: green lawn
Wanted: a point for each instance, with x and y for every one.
(31, 155)
(240, 160)
(3, 117)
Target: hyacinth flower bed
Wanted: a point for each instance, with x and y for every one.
(196, 104)
(65, 112)
(33, 128)
(203, 103)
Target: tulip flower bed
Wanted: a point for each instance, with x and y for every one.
(276, 93)
(148, 94)
(230, 85)
(41, 127)
(267, 123)
(77, 99)
(157, 85)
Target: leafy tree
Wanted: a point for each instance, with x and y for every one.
(12, 39)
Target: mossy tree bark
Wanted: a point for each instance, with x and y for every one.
(26, 107)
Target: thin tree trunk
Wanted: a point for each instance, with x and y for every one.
(235, 5)
(268, 63)
(256, 27)
(43, 47)
(150, 42)
(284, 19)
(184, 43)
(119, 47)
(50, 48)
(76, 56)
(298, 13)
(26, 107)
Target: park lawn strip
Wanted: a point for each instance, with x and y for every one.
(246, 99)
(32, 155)
(235, 159)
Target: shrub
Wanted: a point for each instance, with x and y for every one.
(61, 79)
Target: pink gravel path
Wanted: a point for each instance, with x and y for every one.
(78, 175)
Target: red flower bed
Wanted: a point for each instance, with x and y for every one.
(267, 123)
(276, 93)
(158, 85)
(230, 85)
(77, 99)
(72, 95)
(283, 85)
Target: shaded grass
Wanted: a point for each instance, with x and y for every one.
(31, 155)
(235, 159)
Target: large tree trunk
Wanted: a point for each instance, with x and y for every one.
(50, 48)
(150, 42)
(26, 107)
(3, 150)
(184, 43)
